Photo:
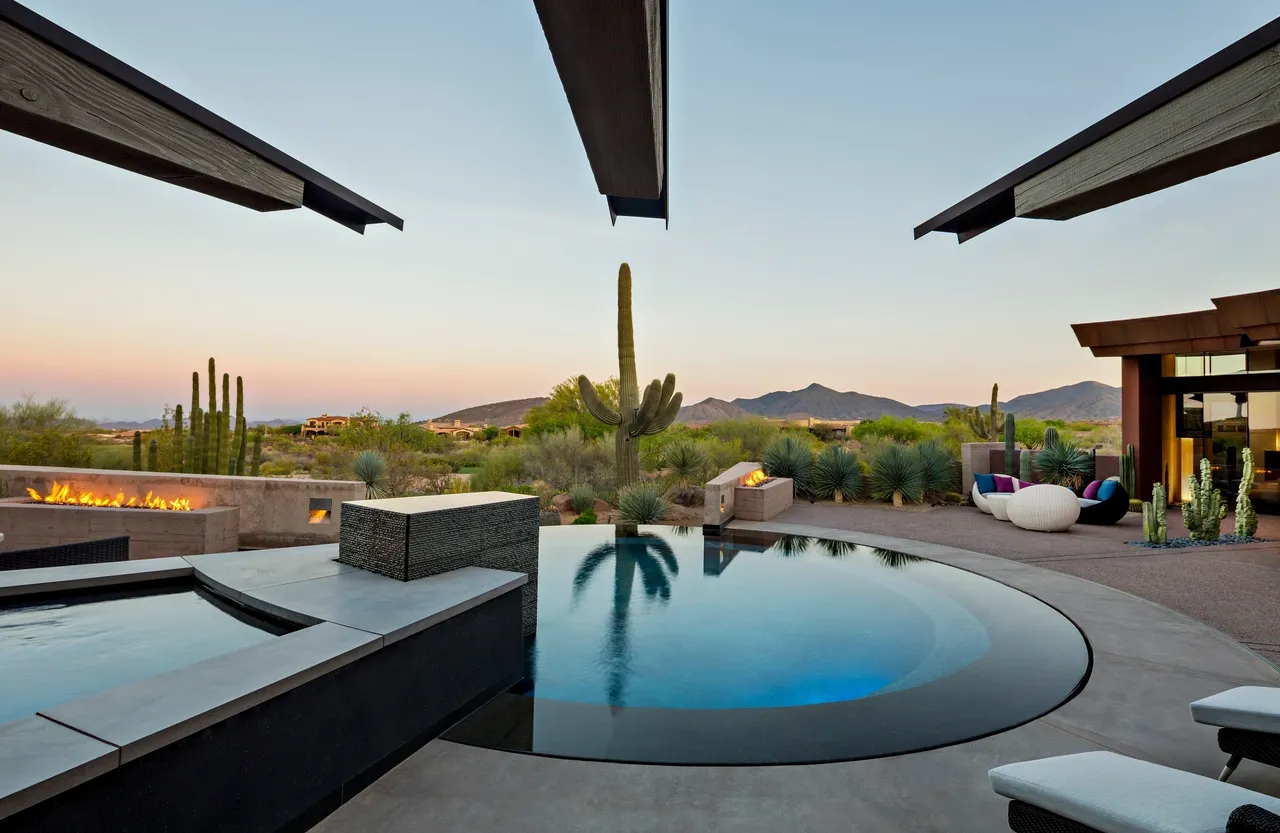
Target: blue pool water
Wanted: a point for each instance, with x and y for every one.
(659, 645)
(56, 651)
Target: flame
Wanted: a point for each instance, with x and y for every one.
(317, 516)
(755, 478)
(61, 495)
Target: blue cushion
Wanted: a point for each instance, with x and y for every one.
(986, 483)
(1107, 489)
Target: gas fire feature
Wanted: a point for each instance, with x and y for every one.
(745, 492)
(63, 496)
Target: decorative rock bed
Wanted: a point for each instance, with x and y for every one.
(1187, 543)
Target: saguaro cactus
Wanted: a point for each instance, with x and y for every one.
(213, 390)
(241, 436)
(195, 392)
(178, 439)
(635, 417)
(224, 426)
(137, 451)
(988, 426)
(1051, 437)
(257, 453)
(1246, 515)
(1155, 528)
(153, 456)
(1203, 515)
(1024, 460)
(1010, 467)
(1128, 470)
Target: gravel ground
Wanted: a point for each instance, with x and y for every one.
(1232, 587)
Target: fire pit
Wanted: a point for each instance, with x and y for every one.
(63, 496)
(745, 492)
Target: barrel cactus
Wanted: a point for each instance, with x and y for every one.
(1155, 528)
(1203, 515)
(635, 417)
(1246, 515)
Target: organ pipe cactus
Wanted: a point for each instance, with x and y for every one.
(241, 436)
(635, 417)
(257, 453)
(1128, 470)
(988, 426)
(179, 440)
(1050, 437)
(1246, 515)
(1155, 527)
(137, 451)
(1010, 465)
(1024, 462)
(1203, 515)
(206, 453)
(224, 426)
(195, 452)
(195, 399)
(153, 456)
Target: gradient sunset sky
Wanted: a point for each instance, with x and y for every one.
(807, 139)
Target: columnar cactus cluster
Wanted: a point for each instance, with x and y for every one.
(1129, 471)
(635, 417)
(212, 444)
(1155, 528)
(1246, 515)
(1203, 515)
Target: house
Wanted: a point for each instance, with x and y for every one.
(460, 430)
(324, 425)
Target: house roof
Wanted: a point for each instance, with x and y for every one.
(994, 204)
(1235, 322)
(319, 193)
(612, 58)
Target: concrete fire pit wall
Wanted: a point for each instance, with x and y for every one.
(718, 507)
(152, 533)
(273, 511)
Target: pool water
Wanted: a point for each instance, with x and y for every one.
(658, 645)
(53, 652)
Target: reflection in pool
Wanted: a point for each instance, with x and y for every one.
(657, 645)
(58, 650)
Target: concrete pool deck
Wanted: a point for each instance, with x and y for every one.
(1150, 663)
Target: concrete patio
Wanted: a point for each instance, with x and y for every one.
(1150, 662)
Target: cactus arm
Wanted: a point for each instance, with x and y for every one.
(595, 406)
(665, 417)
(648, 408)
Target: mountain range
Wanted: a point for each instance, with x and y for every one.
(152, 424)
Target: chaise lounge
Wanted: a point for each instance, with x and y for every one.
(1248, 718)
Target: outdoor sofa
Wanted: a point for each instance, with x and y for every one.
(1109, 510)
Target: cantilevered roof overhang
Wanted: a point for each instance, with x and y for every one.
(612, 59)
(1222, 112)
(61, 90)
(1235, 322)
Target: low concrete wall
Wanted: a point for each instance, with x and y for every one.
(718, 498)
(274, 512)
(153, 533)
(975, 458)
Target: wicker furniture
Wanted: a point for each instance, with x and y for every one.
(998, 503)
(1103, 791)
(67, 555)
(1043, 508)
(1248, 718)
(980, 500)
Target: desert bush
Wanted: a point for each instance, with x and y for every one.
(751, 433)
(897, 429)
(641, 504)
(790, 456)
(896, 475)
(277, 468)
(1064, 464)
(502, 469)
(939, 469)
(44, 434)
(564, 459)
(587, 517)
(370, 468)
(582, 497)
(836, 474)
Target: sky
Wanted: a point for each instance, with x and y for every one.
(807, 139)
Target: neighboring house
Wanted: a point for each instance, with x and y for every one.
(324, 425)
(460, 430)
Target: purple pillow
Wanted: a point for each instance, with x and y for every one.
(1091, 491)
(1022, 484)
(1004, 484)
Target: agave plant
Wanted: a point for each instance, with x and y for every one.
(897, 475)
(836, 474)
(370, 468)
(790, 456)
(582, 497)
(641, 504)
(1064, 464)
(686, 463)
(938, 467)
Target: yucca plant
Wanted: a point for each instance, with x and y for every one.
(686, 463)
(641, 504)
(938, 468)
(370, 468)
(790, 456)
(836, 474)
(790, 546)
(896, 475)
(582, 497)
(893, 559)
(1064, 464)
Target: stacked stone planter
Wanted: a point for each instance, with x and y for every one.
(415, 537)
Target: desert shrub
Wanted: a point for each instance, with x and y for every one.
(587, 517)
(277, 468)
(502, 469)
(641, 504)
(898, 429)
(939, 469)
(288, 430)
(44, 434)
(564, 459)
(896, 475)
(1064, 464)
(582, 497)
(789, 456)
(370, 468)
(836, 474)
(1029, 431)
(751, 433)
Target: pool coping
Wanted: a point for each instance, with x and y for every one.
(345, 614)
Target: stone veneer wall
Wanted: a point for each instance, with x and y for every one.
(273, 511)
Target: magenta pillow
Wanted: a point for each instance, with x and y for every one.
(1091, 491)
(1022, 484)
(1004, 484)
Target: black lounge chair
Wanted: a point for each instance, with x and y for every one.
(1107, 512)
(1248, 721)
(67, 555)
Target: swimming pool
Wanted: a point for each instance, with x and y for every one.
(55, 651)
(658, 645)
